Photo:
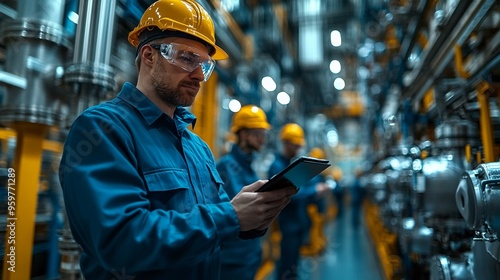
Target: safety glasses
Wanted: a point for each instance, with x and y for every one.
(187, 58)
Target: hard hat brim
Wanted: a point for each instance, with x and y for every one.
(219, 54)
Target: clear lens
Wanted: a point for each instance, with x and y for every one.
(187, 58)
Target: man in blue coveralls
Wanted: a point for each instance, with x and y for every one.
(293, 221)
(242, 258)
(142, 193)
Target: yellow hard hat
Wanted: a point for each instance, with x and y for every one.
(293, 133)
(186, 16)
(317, 153)
(337, 173)
(249, 116)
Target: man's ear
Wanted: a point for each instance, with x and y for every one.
(147, 53)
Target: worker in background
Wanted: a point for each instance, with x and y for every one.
(240, 259)
(316, 209)
(357, 196)
(293, 221)
(319, 201)
(143, 196)
(338, 190)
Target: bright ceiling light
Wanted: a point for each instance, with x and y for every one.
(283, 98)
(268, 83)
(332, 137)
(336, 38)
(339, 84)
(73, 17)
(234, 105)
(335, 66)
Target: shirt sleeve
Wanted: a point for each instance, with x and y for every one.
(109, 211)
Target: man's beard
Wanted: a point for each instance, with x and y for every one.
(165, 89)
(249, 146)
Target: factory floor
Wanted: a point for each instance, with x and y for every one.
(349, 254)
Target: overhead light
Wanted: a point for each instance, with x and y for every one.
(310, 44)
(339, 84)
(335, 66)
(230, 5)
(234, 105)
(268, 83)
(73, 17)
(332, 137)
(283, 98)
(336, 38)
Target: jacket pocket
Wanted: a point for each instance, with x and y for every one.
(169, 189)
(213, 184)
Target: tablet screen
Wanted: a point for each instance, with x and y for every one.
(298, 173)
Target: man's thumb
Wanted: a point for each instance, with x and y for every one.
(254, 186)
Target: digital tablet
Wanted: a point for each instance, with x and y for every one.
(298, 173)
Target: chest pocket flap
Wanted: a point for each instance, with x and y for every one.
(169, 189)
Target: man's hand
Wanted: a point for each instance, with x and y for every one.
(257, 210)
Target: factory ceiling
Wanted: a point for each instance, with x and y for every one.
(286, 39)
(290, 40)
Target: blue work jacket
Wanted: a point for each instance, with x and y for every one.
(293, 218)
(142, 193)
(236, 171)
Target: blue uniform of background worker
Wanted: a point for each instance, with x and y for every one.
(294, 222)
(142, 194)
(241, 259)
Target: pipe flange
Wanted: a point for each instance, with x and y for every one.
(28, 28)
(469, 199)
(440, 268)
(94, 74)
(31, 114)
(456, 132)
(472, 201)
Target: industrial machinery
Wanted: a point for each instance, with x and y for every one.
(417, 70)
(478, 199)
(42, 96)
(438, 232)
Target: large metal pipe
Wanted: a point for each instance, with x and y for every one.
(93, 40)
(35, 46)
(90, 76)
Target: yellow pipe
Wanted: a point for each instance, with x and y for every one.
(485, 121)
(468, 153)
(245, 41)
(317, 240)
(280, 13)
(384, 242)
(479, 159)
(427, 100)
(459, 64)
(205, 108)
(391, 39)
(24, 190)
(422, 40)
(48, 145)
(6, 133)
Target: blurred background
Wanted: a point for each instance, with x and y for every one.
(402, 96)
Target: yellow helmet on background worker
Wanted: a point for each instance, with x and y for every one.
(317, 152)
(249, 117)
(178, 16)
(337, 173)
(293, 133)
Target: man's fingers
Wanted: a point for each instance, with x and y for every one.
(254, 186)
